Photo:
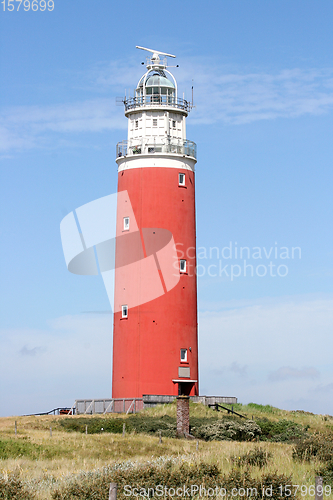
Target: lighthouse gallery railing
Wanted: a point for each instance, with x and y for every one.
(142, 146)
(156, 99)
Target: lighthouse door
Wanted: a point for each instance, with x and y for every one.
(184, 388)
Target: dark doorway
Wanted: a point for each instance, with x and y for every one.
(184, 388)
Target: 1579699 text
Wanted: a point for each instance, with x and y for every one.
(34, 5)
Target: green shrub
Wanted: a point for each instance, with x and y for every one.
(196, 422)
(138, 423)
(13, 489)
(152, 425)
(208, 428)
(10, 448)
(281, 431)
(327, 473)
(239, 479)
(22, 447)
(257, 457)
(228, 430)
(169, 474)
(96, 485)
(94, 424)
(315, 445)
(276, 484)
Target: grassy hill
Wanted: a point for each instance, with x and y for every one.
(269, 447)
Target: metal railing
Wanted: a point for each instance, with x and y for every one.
(143, 146)
(111, 405)
(56, 411)
(157, 100)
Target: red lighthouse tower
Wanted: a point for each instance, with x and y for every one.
(155, 345)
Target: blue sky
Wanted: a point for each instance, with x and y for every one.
(263, 89)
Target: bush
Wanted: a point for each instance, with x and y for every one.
(257, 457)
(281, 431)
(10, 448)
(138, 423)
(13, 489)
(239, 479)
(196, 422)
(208, 428)
(94, 424)
(152, 425)
(96, 485)
(315, 445)
(276, 484)
(326, 473)
(228, 430)
(146, 477)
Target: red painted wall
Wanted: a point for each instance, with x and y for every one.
(146, 345)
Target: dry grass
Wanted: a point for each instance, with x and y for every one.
(71, 452)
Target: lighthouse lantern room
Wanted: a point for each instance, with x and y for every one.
(155, 345)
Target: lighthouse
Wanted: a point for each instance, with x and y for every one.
(155, 338)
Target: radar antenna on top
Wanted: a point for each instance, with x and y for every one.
(154, 60)
(154, 52)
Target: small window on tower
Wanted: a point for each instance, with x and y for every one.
(126, 223)
(174, 123)
(124, 311)
(136, 123)
(182, 266)
(154, 122)
(181, 178)
(183, 355)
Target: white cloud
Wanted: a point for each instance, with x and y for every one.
(326, 390)
(238, 98)
(241, 345)
(45, 369)
(289, 373)
(234, 96)
(221, 96)
(285, 346)
(240, 370)
(34, 351)
(26, 127)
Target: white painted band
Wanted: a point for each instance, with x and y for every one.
(156, 161)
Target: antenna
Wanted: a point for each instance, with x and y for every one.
(157, 52)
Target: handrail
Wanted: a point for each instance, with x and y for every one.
(156, 100)
(144, 146)
(52, 411)
(217, 406)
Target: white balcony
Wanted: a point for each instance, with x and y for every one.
(156, 100)
(143, 146)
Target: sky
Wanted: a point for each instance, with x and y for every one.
(262, 74)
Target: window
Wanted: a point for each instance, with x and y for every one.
(136, 123)
(154, 122)
(124, 311)
(183, 266)
(174, 123)
(126, 223)
(181, 179)
(183, 355)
